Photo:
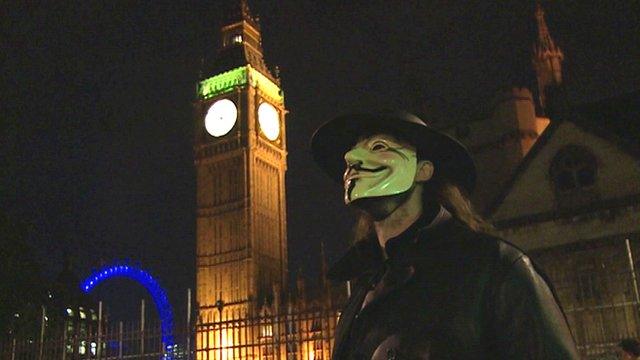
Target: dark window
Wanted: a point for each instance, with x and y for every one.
(573, 168)
(587, 287)
(462, 131)
(315, 325)
(291, 327)
(587, 284)
(318, 350)
(292, 351)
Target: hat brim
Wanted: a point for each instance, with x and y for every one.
(450, 158)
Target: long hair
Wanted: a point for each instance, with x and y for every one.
(452, 198)
(449, 195)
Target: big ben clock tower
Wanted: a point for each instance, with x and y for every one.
(240, 159)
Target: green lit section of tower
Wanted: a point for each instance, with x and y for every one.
(239, 77)
(222, 83)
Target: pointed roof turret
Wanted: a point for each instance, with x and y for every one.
(324, 266)
(326, 293)
(547, 58)
(300, 286)
(545, 42)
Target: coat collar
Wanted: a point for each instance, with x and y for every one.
(365, 260)
(366, 256)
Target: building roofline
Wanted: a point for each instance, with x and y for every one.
(575, 115)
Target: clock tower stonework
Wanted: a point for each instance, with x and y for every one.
(240, 159)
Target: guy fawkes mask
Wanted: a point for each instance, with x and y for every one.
(378, 165)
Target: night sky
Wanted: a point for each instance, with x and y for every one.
(96, 107)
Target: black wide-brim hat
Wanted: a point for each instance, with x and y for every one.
(450, 158)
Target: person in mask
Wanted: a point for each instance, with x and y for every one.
(429, 282)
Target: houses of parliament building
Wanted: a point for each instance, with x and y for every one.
(550, 181)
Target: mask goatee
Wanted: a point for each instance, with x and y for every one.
(379, 208)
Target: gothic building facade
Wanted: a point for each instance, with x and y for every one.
(563, 182)
(574, 204)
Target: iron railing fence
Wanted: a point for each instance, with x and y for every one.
(302, 335)
(121, 340)
(295, 335)
(299, 335)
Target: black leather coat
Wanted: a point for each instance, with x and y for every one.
(447, 292)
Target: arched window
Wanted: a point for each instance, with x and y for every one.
(573, 173)
(573, 168)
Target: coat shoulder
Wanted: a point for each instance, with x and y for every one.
(485, 247)
(506, 252)
(500, 255)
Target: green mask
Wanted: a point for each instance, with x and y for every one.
(379, 165)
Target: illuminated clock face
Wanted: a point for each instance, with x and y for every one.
(269, 121)
(221, 117)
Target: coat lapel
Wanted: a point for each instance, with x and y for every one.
(401, 270)
(346, 318)
(393, 279)
(362, 261)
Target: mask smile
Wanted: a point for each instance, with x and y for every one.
(361, 172)
(378, 165)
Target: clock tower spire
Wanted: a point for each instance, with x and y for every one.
(240, 159)
(240, 42)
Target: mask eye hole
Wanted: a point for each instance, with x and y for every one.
(378, 146)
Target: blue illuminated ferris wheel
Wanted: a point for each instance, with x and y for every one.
(157, 293)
